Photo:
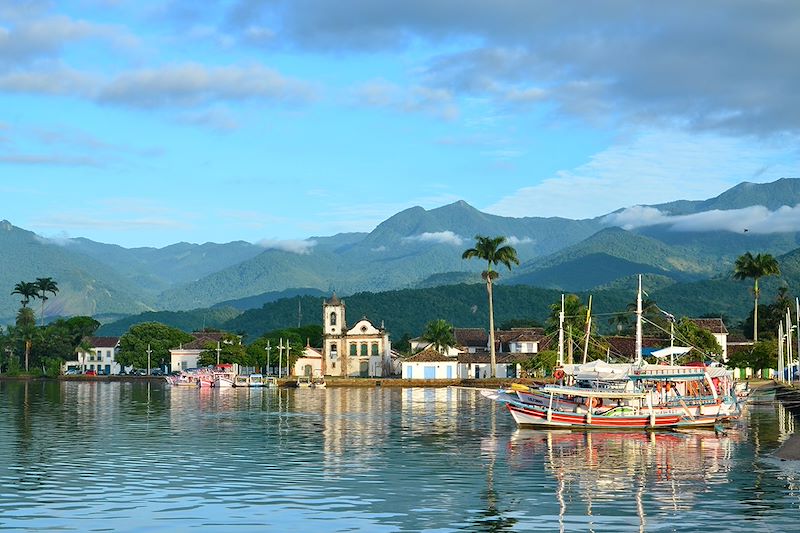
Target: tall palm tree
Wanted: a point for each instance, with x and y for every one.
(492, 250)
(45, 285)
(440, 334)
(758, 266)
(26, 330)
(27, 290)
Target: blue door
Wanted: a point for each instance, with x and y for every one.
(430, 372)
(449, 372)
(409, 372)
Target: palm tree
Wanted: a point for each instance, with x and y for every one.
(620, 321)
(758, 266)
(27, 290)
(492, 250)
(574, 320)
(439, 333)
(45, 285)
(26, 330)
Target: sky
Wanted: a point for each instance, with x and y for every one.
(149, 123)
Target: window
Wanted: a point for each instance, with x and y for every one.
(108, 354)
(99, 355)
(334, 353)
(364, 349)
(353, 349)
(333, 319)
(374, 348)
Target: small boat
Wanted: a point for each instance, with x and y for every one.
(223, 382)
(318, 383)
(255, 380)
(304, 382)
(270, 382)
(241, 381)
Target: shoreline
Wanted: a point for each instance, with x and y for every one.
(331, 382)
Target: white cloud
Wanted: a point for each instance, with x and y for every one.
(652, 168)
(436, 102)
(295, 246)
(516, 241)
(754, 219)
(439, 237)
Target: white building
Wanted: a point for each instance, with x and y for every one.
(361, 351)
(101, 357)
(717, 328)
(309, 364)
(430, 364)
(186, 355)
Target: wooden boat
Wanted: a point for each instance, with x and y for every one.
(255, 380)
(304, 382)
(318, 383)
(241, 381)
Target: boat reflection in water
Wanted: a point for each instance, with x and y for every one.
(636, 473)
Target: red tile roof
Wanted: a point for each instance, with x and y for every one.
(475, 337)
(714, 325)
(103, 342)
(428, 355)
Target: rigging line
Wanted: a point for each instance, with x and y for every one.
(682, 339)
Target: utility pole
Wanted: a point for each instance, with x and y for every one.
(268, 348)
(218, 351)
(149, 351)
(280, 358)
(561, 334)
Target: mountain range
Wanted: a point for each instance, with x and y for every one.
(682, 246)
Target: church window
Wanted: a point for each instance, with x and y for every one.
(333, 350)
(333, 319)
(364, 349)
(353, 349)
(374, 348)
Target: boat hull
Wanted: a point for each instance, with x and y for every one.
(534, 416)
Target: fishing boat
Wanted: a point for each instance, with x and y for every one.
(270, 382)
(241, 381)
(304, 382)
(318, 383)
(637, 395)
(255, 380)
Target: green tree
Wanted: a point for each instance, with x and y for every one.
(296, 338)
(25, 330)
(133, 344)
(702, 341)
(763, 354)
(494, 252)
(231, 350)
(45, 285)
(541, 364)
(620, 322)
(27, 290)
(440, 334)
(755, 267)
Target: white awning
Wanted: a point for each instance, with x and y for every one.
(675, 350)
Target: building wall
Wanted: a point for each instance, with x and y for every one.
(362, 350)
(98, 359)
(182, 359)
(435, 370)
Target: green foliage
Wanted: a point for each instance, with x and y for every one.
(763, 355)
(703, 341)
(194, 320)
(231, 350)
(439, 333)
(133, 344)
(295, 338)
(541, 364)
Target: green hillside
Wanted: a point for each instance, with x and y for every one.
(194, 320)
(86, 287)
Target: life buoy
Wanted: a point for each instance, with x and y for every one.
(594, 402)
(558, 374)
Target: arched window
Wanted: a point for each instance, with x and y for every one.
(333, 319)
(364, 349)
(374, 348)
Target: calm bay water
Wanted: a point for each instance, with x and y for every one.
(136, 457)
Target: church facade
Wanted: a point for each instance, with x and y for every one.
(363, 350)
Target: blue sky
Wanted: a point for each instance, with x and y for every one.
(148, 123)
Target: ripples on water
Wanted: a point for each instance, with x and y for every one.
(131, 456)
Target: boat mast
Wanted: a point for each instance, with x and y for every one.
(588, 330)
(561, 334)
(639, 323)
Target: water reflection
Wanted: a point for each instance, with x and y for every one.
(129, 456)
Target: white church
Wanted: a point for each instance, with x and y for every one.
(361, 351)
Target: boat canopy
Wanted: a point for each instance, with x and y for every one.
(589, 393)
(672, 350)
(599, 370)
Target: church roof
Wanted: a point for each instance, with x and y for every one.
(334, 300)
